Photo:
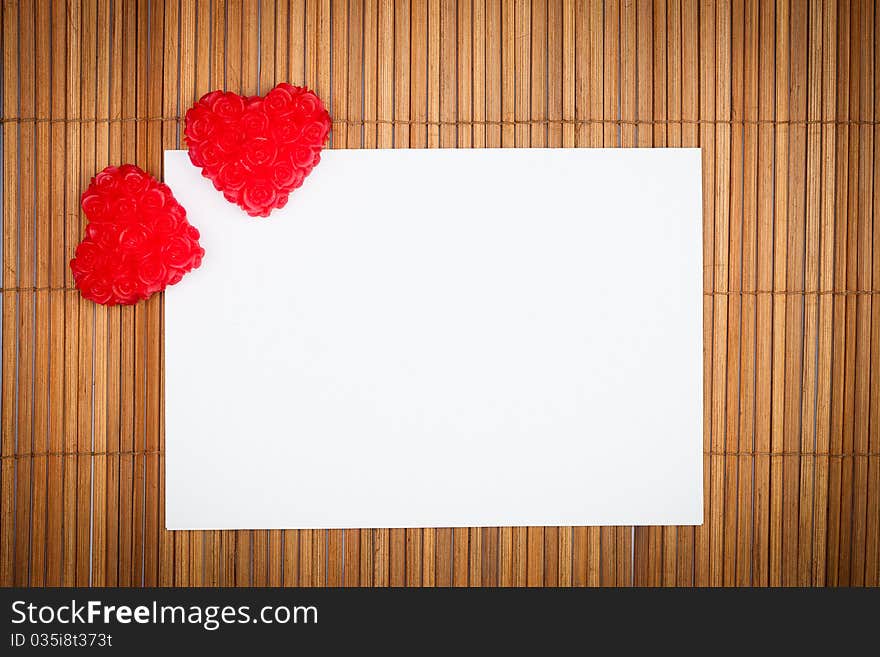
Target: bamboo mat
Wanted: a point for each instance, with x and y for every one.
(782, 98)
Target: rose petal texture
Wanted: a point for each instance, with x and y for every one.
(137, 241)
(256, 150)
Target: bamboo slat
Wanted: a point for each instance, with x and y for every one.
(57, 277)
(780, 95)
(872, 548)
(10, 238)
(25, 310)
(763, 364)
(42, 241)
(748, 357)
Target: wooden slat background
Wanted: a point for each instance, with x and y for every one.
(782, 96)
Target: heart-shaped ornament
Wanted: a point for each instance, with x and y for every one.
(138, 240)
(257, 149)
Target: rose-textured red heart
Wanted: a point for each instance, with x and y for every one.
(137, 241)
(257, 149)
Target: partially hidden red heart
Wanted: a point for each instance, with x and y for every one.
(138, 240)
(257, 149)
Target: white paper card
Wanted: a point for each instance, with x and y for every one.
(442, 338)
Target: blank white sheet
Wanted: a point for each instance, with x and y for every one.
(442, 338)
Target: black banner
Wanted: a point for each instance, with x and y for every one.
(414, 621)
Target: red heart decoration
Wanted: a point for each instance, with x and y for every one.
(257, 149)
(137, 241)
